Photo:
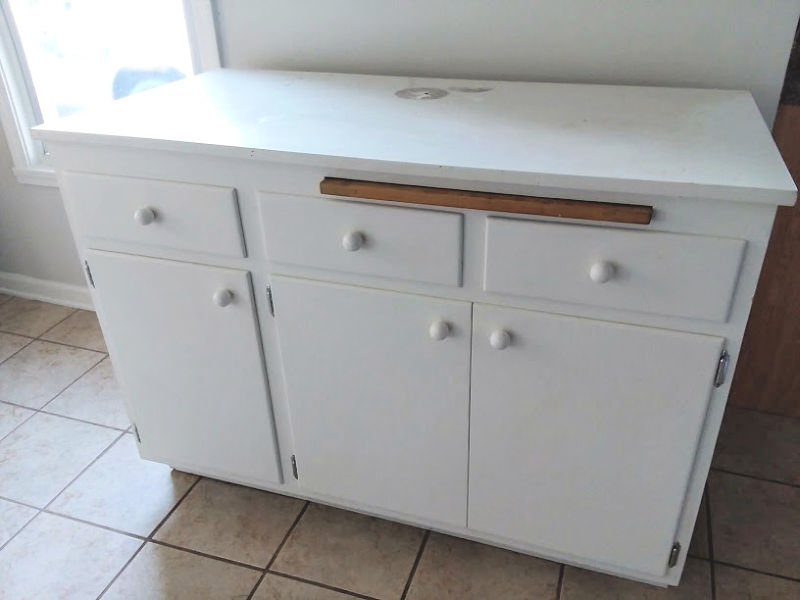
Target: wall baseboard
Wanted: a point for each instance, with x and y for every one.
(46, 290)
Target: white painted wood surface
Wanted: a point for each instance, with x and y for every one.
(682, 142)
(379, 410)
(583, 433)
(687, 275)
(192, 371)
(199, 218)
(362, 238)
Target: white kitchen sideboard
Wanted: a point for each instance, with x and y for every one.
(505, 311)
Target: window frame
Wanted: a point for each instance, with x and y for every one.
(19, 109)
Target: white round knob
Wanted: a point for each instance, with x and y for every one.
(500, 339)
(352, 241)
(222, 297)
(439, 330)
(144, 216)
(601, 271)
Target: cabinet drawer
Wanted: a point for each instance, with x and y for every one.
(398, 243)
(180, 216)
(669, 274)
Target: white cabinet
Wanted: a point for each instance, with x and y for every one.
(583, 433)
(378, 388)
(185, 346)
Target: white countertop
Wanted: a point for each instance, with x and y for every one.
(667, 141)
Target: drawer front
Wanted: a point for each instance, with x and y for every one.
(181, 216)
(669, 274)
(398, 243)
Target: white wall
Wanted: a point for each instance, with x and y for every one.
(707, 43)
(734, 44)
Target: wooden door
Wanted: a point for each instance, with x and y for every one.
(583, 433)
(190, 363)
(378, 391)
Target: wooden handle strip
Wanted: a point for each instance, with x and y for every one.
(637, 214)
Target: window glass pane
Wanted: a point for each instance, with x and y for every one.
(84, 52)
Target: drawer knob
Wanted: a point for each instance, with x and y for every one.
(144, 216)
(601, 271)
(439, 330)
(222, 297)
(500, 339)
(352, 241)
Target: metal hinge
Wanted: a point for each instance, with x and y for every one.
(294, 466)
(674, 553)
(89, 273)
(136, 433)
(722, 369)
(269, 301)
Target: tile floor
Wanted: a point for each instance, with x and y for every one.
(81, 516)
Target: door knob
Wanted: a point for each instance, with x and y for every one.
(144, 215)
(500, 339)
(352, 241)
(601, 271)
(222, 297)
(439, 330)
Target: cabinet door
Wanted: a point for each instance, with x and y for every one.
(379, 407)
(584, 433)
(190, 363)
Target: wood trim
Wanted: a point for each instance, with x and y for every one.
(636, 214)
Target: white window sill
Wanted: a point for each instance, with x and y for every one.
(36, 176)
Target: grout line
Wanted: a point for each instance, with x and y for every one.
(560, 585)
(756, 477)
(46, 331)
(125, 566)
(70, 384)
(86, 468)
(416, 564)
(8, 541)
(68, 345)
(54, 513)
(25, 420)
(279, 548)
(332, 588)
(146, 540)
(174, 508)
(52, 414)
(709, 531)
(759, 571)
(286, 537)
(205, 555)
(30, 341)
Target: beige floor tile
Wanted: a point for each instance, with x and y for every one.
(37, 373)
(755, 524)
(30, 317)
(231, 521)
(95, 397)
(123, 491)
(350, 551)
(457, 569)
(11, 416)
(588, 585)
(13, 517)
(159, 572)
(699, 545)
(10, 343)
(759, 444)
(275, 587)
(737, 584)
(59, 558)
(79, 329)
(38, 459)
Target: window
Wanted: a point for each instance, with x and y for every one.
(58, 57)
